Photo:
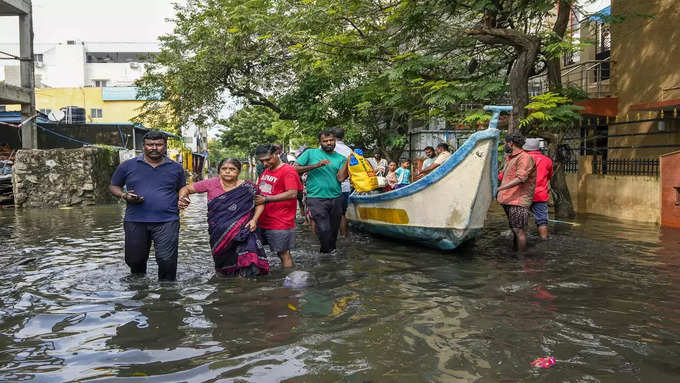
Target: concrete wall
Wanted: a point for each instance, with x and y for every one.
(63, 177)
(117, 74)
(634, 198)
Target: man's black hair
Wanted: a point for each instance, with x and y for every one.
(265, 150)
(155, 135)
(428, 148)
(338, 133)
(325, 133)
(516, 138)
(443, 145)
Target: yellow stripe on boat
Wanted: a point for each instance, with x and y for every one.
(397, 216)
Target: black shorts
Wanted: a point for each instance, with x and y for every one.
(518, 216)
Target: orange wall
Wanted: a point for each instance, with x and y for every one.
(670, 179)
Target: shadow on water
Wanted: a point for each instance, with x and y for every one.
(600, 297)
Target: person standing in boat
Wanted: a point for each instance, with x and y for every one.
(430, 156)
(403, 174)
(516, 191)
(325, 171)
(378, 164)
(443, 154)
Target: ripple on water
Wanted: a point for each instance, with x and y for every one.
(600, 297)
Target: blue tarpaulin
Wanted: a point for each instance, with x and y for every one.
(597, 16)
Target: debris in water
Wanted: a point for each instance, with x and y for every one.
(298, 279)
(546, 362)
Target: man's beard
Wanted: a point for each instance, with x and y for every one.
(328, 149)
(155, 153)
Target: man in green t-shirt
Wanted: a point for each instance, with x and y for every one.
(325, 170)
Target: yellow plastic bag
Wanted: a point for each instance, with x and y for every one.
(361, 174)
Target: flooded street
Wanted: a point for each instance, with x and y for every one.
(600, 296)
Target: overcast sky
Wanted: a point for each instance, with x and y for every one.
(93, 20)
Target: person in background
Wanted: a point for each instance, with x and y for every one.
(325, 171)
(280, 153)
(430, 155)
(378, 164)
(516, 191)
(232, 221)
(391, 176)
(152, 181)
(344, 150)
(544, 173)
(403, 174)
(5, 151)
(443, 154)
(279, 185)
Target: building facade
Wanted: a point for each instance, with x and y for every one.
(629, 72)
(96, 76)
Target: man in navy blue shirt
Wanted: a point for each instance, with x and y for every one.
(152, 181)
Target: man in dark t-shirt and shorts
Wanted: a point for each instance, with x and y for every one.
(278, 189)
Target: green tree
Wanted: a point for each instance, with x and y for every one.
(551, 116)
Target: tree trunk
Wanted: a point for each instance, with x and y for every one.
(560, 28)
(564, 208)
(519, 84)
(527, 48)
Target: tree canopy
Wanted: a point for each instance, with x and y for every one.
(372, 67)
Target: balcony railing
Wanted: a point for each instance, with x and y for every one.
(592, 77)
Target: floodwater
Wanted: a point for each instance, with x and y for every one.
(601, 297)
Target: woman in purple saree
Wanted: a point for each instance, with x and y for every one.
(232, 221)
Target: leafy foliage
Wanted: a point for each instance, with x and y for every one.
(550, 112)
(373, 68)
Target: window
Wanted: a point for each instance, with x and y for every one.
(95, 113)
(45, 111)
(100, 83)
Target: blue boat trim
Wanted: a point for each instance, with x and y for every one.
(438, 238)
(456, 158)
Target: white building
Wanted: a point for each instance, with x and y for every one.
(77, 64)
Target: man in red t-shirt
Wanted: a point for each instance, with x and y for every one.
(279, 185)
(544, 173)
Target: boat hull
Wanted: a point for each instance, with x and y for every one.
(445, 208)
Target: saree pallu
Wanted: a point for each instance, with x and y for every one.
(235, 249)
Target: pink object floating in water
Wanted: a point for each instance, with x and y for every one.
(543, 362)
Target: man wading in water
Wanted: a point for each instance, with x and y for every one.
(279, 185)
(152, 182)
(516, 192)
(325, 170)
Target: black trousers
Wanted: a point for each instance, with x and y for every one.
(326, 213)
(165, 237)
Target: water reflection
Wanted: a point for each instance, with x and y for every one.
(600, 297)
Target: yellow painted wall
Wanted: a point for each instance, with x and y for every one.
(634, 198)
(645, 52)
(88, 98)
